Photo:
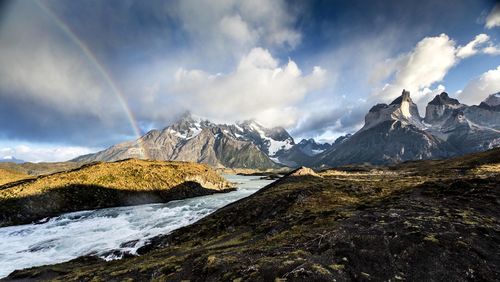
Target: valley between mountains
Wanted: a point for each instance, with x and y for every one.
(249, 141)
(404, 198)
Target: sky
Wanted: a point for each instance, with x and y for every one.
(78, 76)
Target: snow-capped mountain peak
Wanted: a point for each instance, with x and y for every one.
(10, 159)
(310, 147)
(270, 140)
(192, 138)
(188, 126)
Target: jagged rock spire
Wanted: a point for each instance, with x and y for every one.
(401, 109)
(405, 96)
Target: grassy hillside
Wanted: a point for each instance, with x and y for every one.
(36, 169)
(105, 185)
(420, 221)
(7, 175)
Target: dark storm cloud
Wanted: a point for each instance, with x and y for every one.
(23, 119)
(120, 30)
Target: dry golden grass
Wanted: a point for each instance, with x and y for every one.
(7, 176)
(36, 169)
(486, 169)
(131, 175)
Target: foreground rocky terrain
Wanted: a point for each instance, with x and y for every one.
(418, 221)
(100, 185)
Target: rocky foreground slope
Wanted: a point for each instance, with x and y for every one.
(100, 185)
(418, 221)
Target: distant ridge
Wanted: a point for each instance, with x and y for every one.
(11, 159)
(392, 133)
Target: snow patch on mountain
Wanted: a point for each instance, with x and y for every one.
(317, 151)
(276, 146)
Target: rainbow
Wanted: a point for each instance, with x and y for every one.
(101, 70)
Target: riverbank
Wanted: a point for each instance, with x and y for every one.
(419, 221)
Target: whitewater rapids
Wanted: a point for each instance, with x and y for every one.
(110, 232)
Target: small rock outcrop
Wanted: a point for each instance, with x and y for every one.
(303, 171)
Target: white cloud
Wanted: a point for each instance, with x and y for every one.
(51, 69)
(427, 64)
(234, 27)
(471, 48)
(479, 88)
(493, 18)
(492, 50)
(43, 153)
(258, 88)
(418, 70)
(480, 44)
(237, 30)
(422, 70)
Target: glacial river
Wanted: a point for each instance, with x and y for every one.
(102, 232)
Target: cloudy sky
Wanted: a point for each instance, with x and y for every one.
(78, 76)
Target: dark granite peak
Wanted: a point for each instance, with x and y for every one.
(378, 107)
(444, 99)
(405, 96)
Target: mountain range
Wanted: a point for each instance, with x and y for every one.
(243, 145)
(396, 132)
(11, 159)
(392, 133)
